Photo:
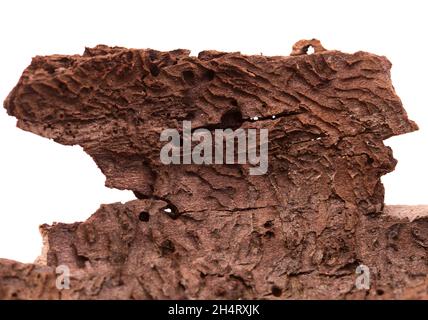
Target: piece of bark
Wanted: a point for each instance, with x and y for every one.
(217, 255)
(299, 231)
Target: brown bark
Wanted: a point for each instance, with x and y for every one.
(299, 231)
(202, 255)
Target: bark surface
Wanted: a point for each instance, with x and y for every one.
(215, 231)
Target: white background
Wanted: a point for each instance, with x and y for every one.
(43, 182)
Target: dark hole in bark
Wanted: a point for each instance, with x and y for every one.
(209, 75)
(269, 234)
(276, 291)
(189, 76)
(140, 195)
(189, 116)
(80, 261)
(268, 224)
(154, 70)
(144, 216)
(232, 119)
(380, 292)
(50, 69)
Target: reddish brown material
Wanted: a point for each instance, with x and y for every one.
(297, 232)
(114, 255)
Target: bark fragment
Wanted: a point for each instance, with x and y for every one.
(220, 255)
(297, 232)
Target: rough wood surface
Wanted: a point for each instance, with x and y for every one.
(212, 255)
(299, 231)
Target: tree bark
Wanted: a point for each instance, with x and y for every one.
(215, 231)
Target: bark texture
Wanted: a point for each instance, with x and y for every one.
(298, 231)
(218, 255)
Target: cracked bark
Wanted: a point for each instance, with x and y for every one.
(297, 232)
